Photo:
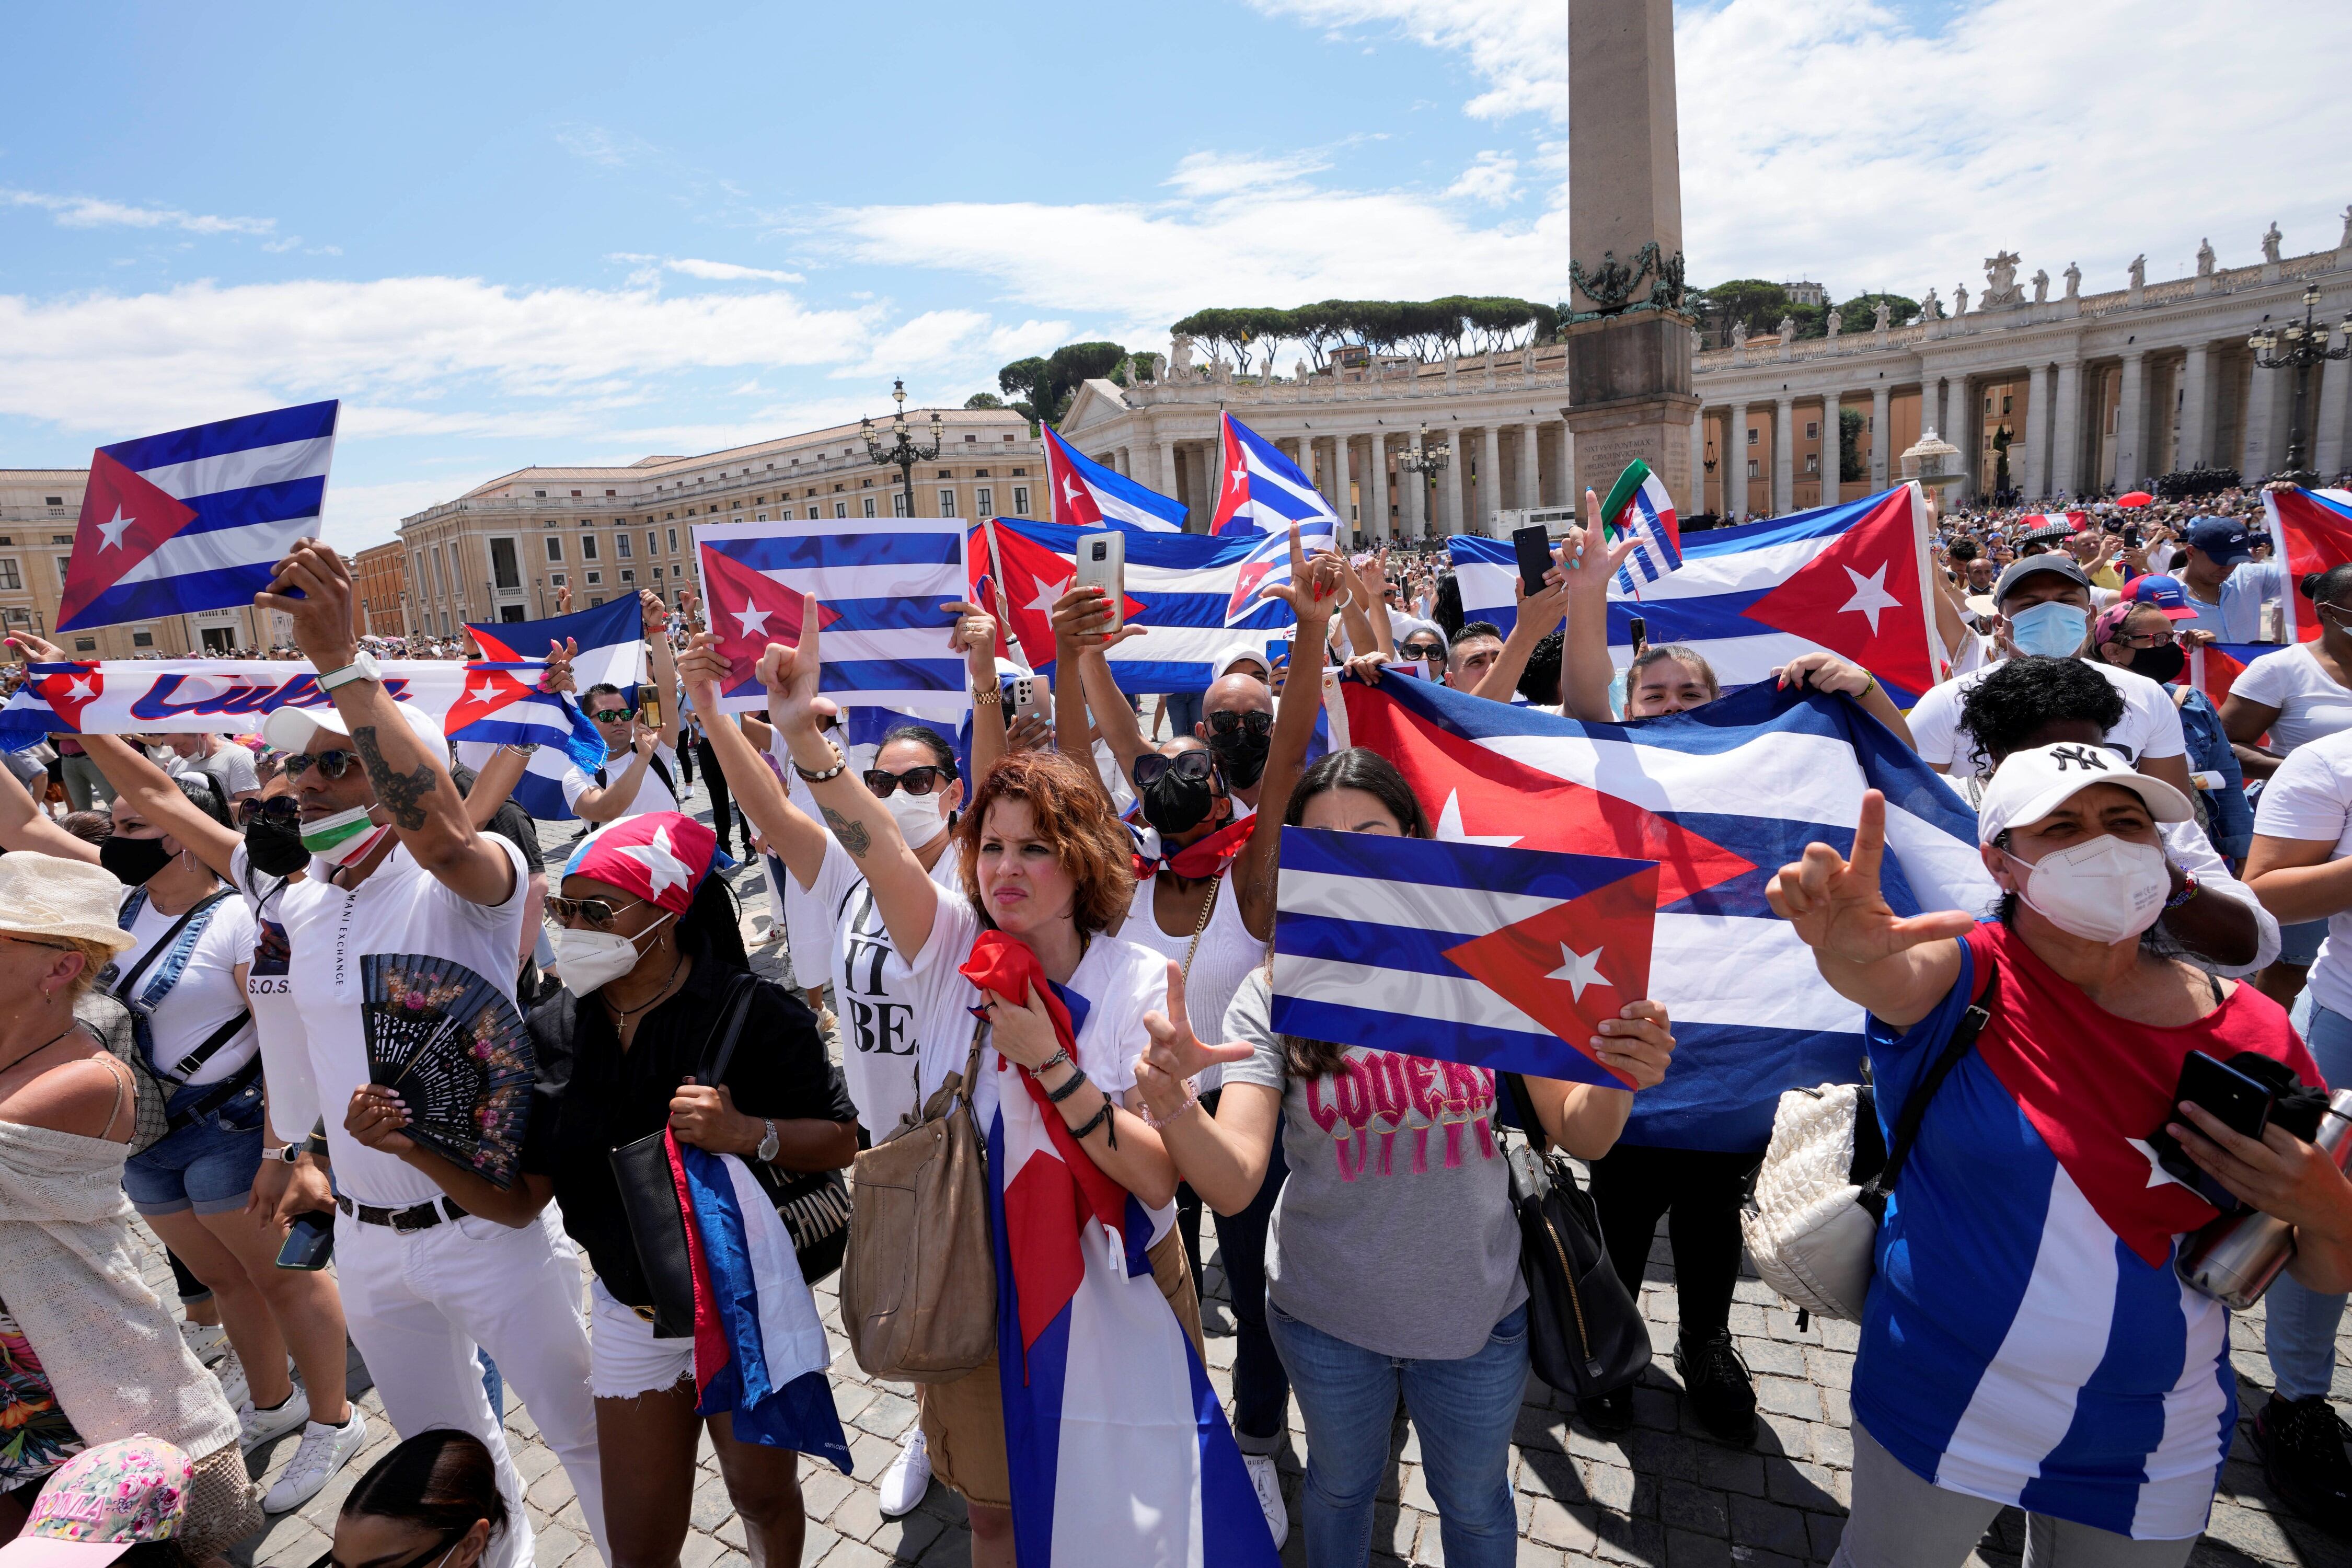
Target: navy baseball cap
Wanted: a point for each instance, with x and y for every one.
(2225, 539)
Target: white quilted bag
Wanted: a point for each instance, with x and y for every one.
(1809, 1235)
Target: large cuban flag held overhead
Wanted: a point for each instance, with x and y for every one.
(1087, 495)
(610, 640)
(2311, 531)
(1850, 578)
(1260, 491)
(1179, 587)
(1721, 798)
(196, 519)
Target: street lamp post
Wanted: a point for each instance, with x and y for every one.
(903, 451)
(2299, 347)
(1428, 462)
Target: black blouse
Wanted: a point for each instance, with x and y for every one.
(593, 1097)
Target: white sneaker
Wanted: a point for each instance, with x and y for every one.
(1266, 1482)
(324, 1450)
(208, 1341)
(231, 1373)
(269, 1425)
(908, 1477)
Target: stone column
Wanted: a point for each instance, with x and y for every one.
(1694, 499)
(1735, 465)
(2266, 414)
(1376, 489)
(1490, 481)
(2067, 430)
(2328, 420)
(1530, 487)
(1166, 485)
(1880, 428)
(1784, 456)
(1830, 448)
(2131, 420)
(2035, 480)
(1449, 482)
(1343, 481)
(1961, 430)
(2197, 406)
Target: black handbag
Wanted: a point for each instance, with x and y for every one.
(814, 1204)
(1585, 1334)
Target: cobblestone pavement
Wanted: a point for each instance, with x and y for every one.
(1663, 1494)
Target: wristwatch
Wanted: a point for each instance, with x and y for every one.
(766, 1152)
(286, 1154)
(363, 668)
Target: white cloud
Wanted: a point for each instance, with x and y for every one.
(1492, 178)
(596, 145)
(729, 272)
(96, 212)
(1207, 176)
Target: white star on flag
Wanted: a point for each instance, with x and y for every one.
(1870, 596)
(1047, 594)
(1449, 827)
(2156, 1175)
(113, 530)
(80, 688)
(1579, 969)
(754, 621)
(663, 868)
(489, 688)
(1070, 486)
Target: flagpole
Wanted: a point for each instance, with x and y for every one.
(996, 574)
(2289, 628)
(1940, 657)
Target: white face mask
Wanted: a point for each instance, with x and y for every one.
(2109, 889)
(592, 960)
(918, 817)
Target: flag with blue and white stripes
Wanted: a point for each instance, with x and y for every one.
(1639, 507)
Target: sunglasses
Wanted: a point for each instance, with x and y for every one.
(595, 911)
(1233, 721)
(2146, 639)
(1152, 766)
(281, 808)
(916, 781)
(1424, 649)
(330, 764)
(614, 715)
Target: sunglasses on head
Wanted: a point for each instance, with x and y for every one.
(1151, 765)
(595, 911)
(613, 715)
(330, 764)
(1232, 721)
(276, 807)
(916, 780)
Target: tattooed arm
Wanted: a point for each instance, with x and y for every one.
(412, 784)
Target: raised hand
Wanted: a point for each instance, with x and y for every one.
(322, 616)
(557, 676)
(656, 612)
(37, 650)
(564, 600)
(974, 635)
(1823, 672)
(1082, 620)
(1836, 904)
(1176, 1055)
(791, 676)
(1581, 549)
(704, 669)
(1313, 591)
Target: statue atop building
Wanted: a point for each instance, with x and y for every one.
(1740, 334)
(2041, 285)
(1180, 356)
(1880, 314)
(1931, 309)
(2270, 242)
(1298, 371)
(2073, 276)
(1834, 322)
(1959, 299)
(1787, 329)
(2001, 281)
(2139, 271)
(2205, 258)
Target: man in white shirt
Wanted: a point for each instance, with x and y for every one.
(640, 770)
(399, 871)
(230, 764)
(2227, 586)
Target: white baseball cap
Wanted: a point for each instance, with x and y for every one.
(293, 729)
(2030, 785)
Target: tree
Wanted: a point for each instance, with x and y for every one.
(983, 400)
(1854, 464)
(1860, 314)
(1042, 388)
(1752, 302)
(1029, 384)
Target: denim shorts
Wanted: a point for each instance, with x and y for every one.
(2299, 942)
(207, 1166)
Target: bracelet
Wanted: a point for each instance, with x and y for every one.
(1099, 1119)
(2188, 889)
(1059, 1058)
(1070, 1086)
(983, 699)
(521, 750)
(840, 764)
(1869, 685)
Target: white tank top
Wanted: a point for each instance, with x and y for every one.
(1223, 960)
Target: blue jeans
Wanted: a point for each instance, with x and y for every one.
(1184, 712)
(2299, 1324)
(1261, 1388)
(1463, 1411)
(209, 1164)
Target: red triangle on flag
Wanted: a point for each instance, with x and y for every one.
(69, 691)
(747, 610)
(1575, 963)
(1036, 575)
(124, 517)
(1860, 597)
(486, 691)
(1484, 796)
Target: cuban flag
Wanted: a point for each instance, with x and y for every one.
(759, 1351)
(1180, 589)
(1638, 508)
(1506, 958)
(611, 643)
(879, 585)
(610, 639)
(195, 696)
(2073, 522)
(1259, 490)
(2214, 669)
(1850, 578)
(2311, 531)
(1087, 495)
(196, 519)
(1721, 798)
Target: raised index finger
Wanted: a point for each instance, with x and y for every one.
(1177, 1014)
(1869, 836)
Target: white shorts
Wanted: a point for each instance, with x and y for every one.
(625, 1358)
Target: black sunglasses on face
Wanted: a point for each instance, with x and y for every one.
(595, 911)
(614, 715)
(916, 781)
(330, 764)
(1423, 650)
(1187, 765)
(1231, 721)
(276, 807)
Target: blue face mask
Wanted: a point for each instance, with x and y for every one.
(2051, 629)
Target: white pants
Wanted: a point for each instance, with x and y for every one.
(418, 1305)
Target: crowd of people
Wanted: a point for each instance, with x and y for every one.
(189, 927)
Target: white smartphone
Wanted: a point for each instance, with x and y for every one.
(1029, 696)
(1102, 564)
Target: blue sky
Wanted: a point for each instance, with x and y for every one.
(585, 233)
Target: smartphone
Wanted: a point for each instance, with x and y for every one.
(1102, 564)
(310, 1242)
(1277, 648)
(1029, 696)
(650, 708)
(2131, 536)
(1641, 634)
(2242, 1103)
(1533, 547)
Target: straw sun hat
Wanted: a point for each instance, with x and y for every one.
(45, 897)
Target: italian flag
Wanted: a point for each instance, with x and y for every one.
(1638, 508)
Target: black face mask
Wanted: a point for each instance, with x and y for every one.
(1174, 804)
(2162, 665)
(275, 848)
(1241, 756)
(133, 861)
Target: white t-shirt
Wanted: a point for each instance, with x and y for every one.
(2310, 797)
(400, 908)
(882, 1050)
(207, 995)
(652, 793)
(1120, 981)
(2311, 702)
(2150, 726)
(285, 1060)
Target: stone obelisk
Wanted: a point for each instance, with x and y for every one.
(1629, 341)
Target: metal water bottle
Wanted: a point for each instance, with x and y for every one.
(2235, 1258)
